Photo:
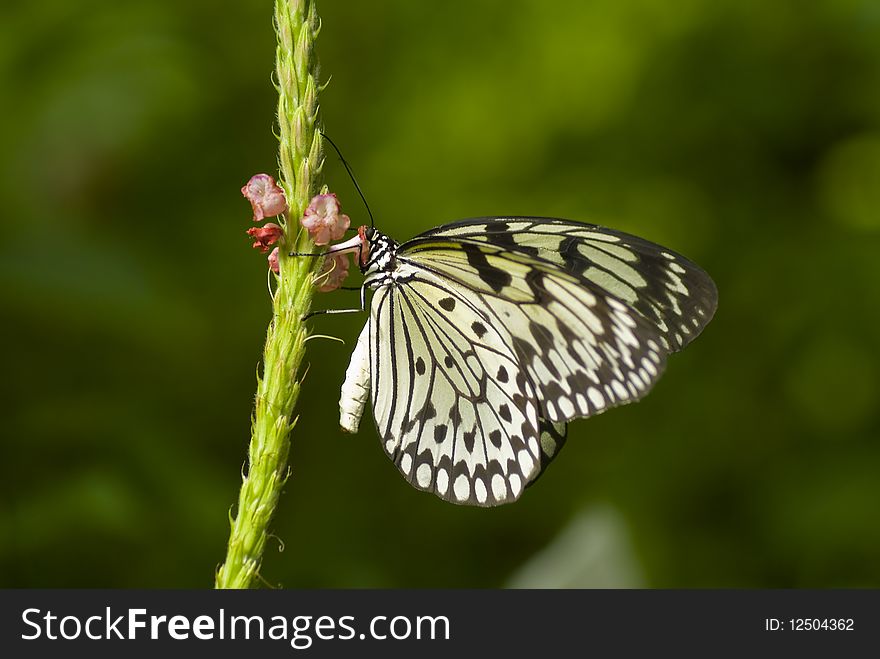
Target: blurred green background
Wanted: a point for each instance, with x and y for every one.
(745, 135)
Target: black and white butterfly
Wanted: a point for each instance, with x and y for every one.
(487, 335)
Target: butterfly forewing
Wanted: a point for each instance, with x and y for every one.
(668, 289)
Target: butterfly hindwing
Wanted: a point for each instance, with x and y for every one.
(454, 412)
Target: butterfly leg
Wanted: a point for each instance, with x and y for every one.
(322, 312)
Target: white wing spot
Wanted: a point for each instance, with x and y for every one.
(423, 474)
(614, 304)
(480, 490)
(515, 484)
(566, 408)
(533, 446)
(596, 398)
(390, 445)
(676, 284)
(626, 318)
(526, 462)
(462, 487)
(605, 237)
(626, 335)
(406, 463)
(499, 487)
(649, 366)
(635, 379)
(618, 389)
(442, 481)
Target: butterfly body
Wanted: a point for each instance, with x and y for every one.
(486, 336)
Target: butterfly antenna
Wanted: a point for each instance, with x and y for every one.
(351, 176)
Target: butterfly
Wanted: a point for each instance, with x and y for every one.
(487, 336)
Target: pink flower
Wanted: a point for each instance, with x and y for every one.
(333, 272)
(273, 261)
(323, 220)
(266, 198)
(264, 236)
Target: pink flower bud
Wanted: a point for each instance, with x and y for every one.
(273, 261)
(323, 220)
(333, 272)
(264, 236)
(266, 198)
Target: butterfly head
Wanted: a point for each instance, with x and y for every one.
(377, 251)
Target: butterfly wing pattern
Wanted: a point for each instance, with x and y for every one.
(486, 336)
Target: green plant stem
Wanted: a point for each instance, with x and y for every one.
(300, 160)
